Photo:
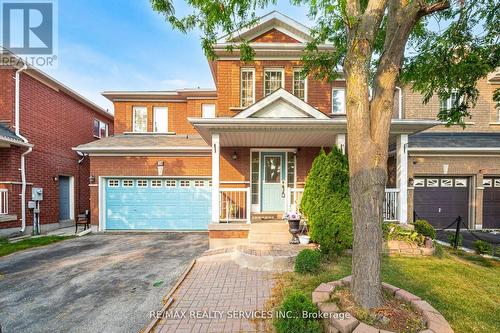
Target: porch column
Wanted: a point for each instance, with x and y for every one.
(215, 177)
(340, 142)
(402, 176)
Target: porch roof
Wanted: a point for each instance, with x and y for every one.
(289, 132)
(9, 138)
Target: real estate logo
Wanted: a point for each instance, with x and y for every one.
(29, 30)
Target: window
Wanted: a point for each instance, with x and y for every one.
(210, 183)
(447, 104)
(208, 110)
(338, 100)
(156, 183)
(487, 182)
(273, 80)
(127, 183)
(419, 182)
(140, 119)
(497, 183)
(299, 84)
(113, 183)
(160, 123)
(272, 169)
(432, 182)
(247, 86)
(185, 183)
(142, 183)
(446, 182)
(460, 182)
(170, 183)
(199, 183)
(100, 129)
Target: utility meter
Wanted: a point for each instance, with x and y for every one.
(37, 194)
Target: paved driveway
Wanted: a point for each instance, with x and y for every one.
(96, 283)
(468, 237)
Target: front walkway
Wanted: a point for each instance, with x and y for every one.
(219, 289)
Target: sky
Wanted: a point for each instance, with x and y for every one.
(125, 45)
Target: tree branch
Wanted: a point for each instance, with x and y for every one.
(436, 7)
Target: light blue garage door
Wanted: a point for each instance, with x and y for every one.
(163, 204)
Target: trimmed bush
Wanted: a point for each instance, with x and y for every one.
(438, 250)
(425, 228)
(294, 307)
(483, 247)
(451, 239)
(326, 202)
(307, 261)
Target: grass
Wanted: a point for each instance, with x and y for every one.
(8, 248)
(466, 290)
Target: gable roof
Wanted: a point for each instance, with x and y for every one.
(281, 104)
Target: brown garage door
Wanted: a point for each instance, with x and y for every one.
(440, 200)
(491, 203)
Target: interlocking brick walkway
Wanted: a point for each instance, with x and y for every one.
(218, 286)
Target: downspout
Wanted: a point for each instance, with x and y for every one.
(400, 104)
(23, 155)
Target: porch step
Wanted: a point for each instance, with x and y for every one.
(270, 233)
(271, 216)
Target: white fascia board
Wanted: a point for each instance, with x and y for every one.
(142, 149)
(454, 149)
(14, 142)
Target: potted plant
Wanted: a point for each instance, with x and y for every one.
(293, 218)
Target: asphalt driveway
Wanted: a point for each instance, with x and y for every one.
(96, 283)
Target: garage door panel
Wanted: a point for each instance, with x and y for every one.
(163, 208)
(491, 203)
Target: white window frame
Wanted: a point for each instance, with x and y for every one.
(432, 182)
(199, 183)
(461, 182)
(134, 110)
(170, 183)
(251, 70)
(446, 182)
(158, 182)
(99, 123)
(142, 183)
(183, 183)
(299, 70)
(496, 182)
(419, 182)
(212, 110)
(162, 108)
(448, 103)
(487, 182)
(113, 183)
(339, 89)
(127, 183)
(268, 70)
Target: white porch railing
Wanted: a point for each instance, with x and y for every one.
(234, 205)
(293, 198)
(4, 201)
(391, 204)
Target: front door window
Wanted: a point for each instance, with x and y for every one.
(272, 169)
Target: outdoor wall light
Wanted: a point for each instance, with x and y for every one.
(55, 178)
(92, 179)
(234, 156)
(159, 165)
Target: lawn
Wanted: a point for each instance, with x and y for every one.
(465, 291)
(8, 248)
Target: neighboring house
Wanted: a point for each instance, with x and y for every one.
(208, 159)
(51, 119)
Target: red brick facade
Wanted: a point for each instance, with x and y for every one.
(274, 36)
(54, 122)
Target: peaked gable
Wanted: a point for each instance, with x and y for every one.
(281, 104)
(274, 36)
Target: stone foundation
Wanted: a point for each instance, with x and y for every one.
(335, 321)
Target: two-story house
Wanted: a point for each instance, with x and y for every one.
(222, 159)
(41, 120)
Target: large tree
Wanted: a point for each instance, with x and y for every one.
(434, 46)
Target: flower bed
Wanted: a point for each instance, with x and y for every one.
(336, 320)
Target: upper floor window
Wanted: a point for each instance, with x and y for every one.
(450, 102)
(299, 84)
(208, 110)
(140, 119)
(160, 121)
(247, 86)
(338, 100)
(273, 80)
(100, 129)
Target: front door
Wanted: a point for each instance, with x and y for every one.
(64, 198)
(273, 180)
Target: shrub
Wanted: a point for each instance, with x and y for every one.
(451, 239)
(294, 306)
(438, 250)
(326, 202)
(483, 247)
(307, 261)
(393, 231)
(425, 228)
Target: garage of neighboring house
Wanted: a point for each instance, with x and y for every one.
(491, 202)
(440, 200)
(156, 204)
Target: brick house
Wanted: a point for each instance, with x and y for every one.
(219, 159)
(43, 119)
